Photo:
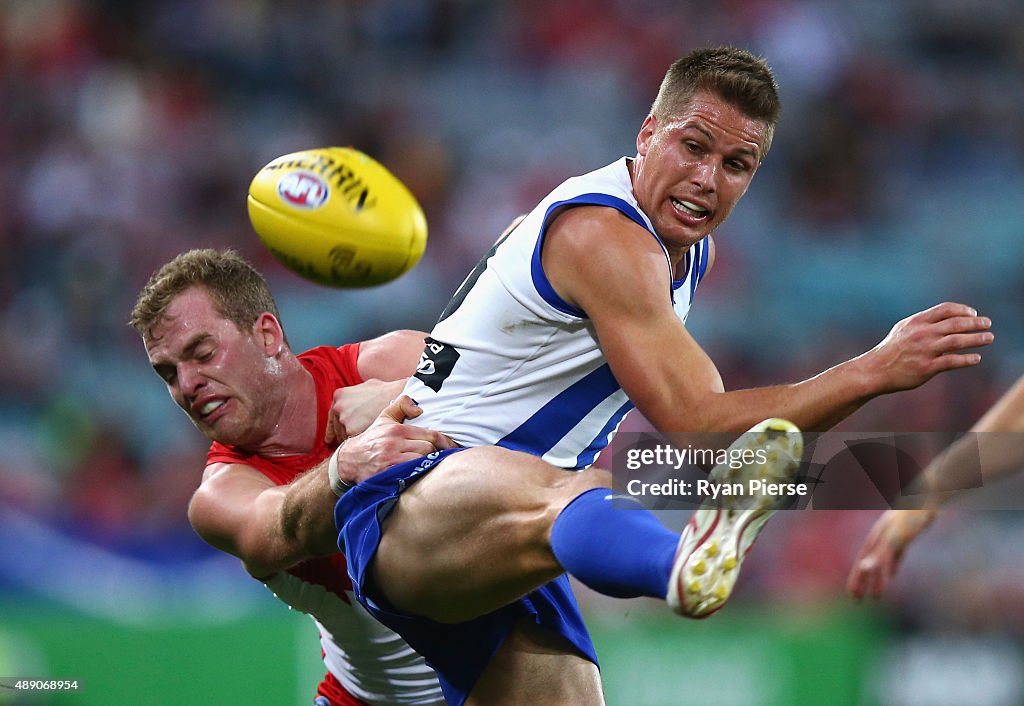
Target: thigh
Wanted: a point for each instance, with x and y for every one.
(473, 534)
(537, 667)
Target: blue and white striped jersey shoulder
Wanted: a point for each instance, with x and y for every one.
(511, 364)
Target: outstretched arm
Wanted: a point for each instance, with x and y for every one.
(605, 264)
(1000, 453)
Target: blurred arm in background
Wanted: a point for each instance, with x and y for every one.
(1000, 453)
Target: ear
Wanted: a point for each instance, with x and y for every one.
(268, 333)
(643, 138)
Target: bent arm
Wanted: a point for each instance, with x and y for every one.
(615, 271)
(269, 527)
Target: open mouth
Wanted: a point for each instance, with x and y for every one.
(210, 407)
(689, 208)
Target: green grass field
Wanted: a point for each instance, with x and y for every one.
(744, 656)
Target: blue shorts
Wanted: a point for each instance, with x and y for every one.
(458, 652)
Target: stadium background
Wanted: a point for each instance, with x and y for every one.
(129, 132)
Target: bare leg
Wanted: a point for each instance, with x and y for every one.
(537, 667)
(474, 534)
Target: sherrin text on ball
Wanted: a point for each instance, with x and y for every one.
(337, 217)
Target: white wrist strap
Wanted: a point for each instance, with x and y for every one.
(339, 486)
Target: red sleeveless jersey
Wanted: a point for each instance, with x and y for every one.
(364, 659)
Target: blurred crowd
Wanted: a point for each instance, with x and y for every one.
(130, 130)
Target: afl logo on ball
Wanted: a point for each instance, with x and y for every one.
(303, 190)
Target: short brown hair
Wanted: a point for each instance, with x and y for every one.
(239, 292)
(736, 75)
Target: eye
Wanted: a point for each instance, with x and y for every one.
(694, 147)
(737, 165)
(204, 354)
(167, 373)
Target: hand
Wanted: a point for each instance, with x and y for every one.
(928, 343)
(388, 442)
(355, 407)
(882, 551)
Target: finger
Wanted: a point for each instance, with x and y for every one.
(409, 407)
(857, 582)
(876, 584)
(412, 452)
(963, 324)
(872, 571)
(881, 576)
(953, 361)
(330, 433)
(412, 411)
(853, 583)
(875, 575)
(947, 310)
(437, 440)
(962, 341)
(443, 441)
(863, 564)
(400, 409)
(867, 585)
(338, 431)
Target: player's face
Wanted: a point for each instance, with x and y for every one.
(218, 374)
(691, 169)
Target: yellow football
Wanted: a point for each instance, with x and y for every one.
(337, 216)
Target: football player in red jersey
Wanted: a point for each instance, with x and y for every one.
(212, 333)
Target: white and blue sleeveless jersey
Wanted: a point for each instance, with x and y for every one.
(511, 364)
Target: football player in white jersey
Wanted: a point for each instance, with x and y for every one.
(574, 317)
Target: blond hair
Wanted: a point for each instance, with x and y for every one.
(735, 75)
(238, 291)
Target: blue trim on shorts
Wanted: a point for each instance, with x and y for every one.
(458, 652)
